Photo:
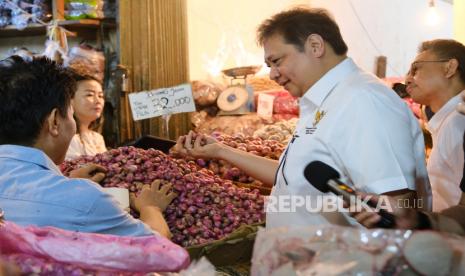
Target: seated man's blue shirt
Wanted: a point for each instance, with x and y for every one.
(33, 191)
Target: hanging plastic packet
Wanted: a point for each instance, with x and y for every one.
(87, 60)
(40, 10)
(56, 46)
(19, 17)
(80, 9)
(5, 15)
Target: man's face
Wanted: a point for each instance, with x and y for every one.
(426, 78)
(289, 67)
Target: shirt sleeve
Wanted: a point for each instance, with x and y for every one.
(106, 217)
(377, 147)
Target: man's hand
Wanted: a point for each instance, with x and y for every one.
(90, 171)
(405, 218)
(201, 147)
(153, 195)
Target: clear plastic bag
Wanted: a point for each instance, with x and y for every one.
(53, 49)
(337, 250)
(5, 17)
(80, 9)
(86, 60)
(283, 103)
(206, 92)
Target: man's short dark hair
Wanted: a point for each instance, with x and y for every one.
(29, 91)
(447, 49)
(297, 24)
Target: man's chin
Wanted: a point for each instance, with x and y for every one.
(295, 93)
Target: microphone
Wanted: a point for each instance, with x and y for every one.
(326, 179)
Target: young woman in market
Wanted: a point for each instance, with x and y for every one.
(348, 119)
(88, 103)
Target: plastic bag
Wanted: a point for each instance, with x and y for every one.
(205, 92)
(80, 9)
(230, 125)
(202, 267)
(337, 250)
(87, 61)
(53, 49)
(284, 102)
(280, 131)
(93, 251)
(31, 265)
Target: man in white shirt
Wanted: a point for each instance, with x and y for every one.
(435, 79)
(349, 120)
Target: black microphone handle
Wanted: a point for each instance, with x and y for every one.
(387, 219)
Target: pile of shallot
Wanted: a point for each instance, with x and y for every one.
(208, 207)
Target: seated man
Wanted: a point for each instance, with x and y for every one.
(36, 127)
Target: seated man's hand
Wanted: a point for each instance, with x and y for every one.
(89, 171)
(153, 195)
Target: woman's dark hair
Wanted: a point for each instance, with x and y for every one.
(29, 91)
(97, 124)
(297, 24)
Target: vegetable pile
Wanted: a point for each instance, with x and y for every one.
(281, 131)
(207, 208)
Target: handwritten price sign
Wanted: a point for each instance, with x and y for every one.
(154, 103)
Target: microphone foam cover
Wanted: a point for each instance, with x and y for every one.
(318, 174)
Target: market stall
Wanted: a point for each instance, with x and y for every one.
(219, 211)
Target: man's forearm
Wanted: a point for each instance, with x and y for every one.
(258, 167)
(153, 217)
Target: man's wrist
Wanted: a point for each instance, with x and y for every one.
(150, 208)
(220, 152)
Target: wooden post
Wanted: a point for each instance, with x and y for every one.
(153, 46)
(58, 7)
(381, 63)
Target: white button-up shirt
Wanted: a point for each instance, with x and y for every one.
(367, 133)
(445, 164)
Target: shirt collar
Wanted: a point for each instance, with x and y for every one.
(439, 117)
(316, 94)
(29, 155)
